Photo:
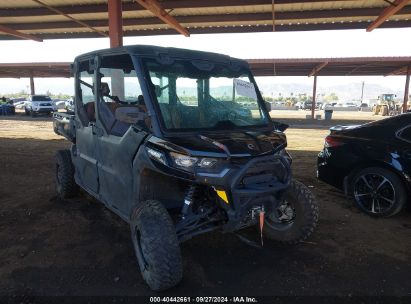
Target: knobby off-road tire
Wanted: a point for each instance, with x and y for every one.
(156, 245)
(66, 185)
(304, 220)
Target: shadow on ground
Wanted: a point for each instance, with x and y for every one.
(22, 117)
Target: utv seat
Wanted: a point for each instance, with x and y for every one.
(91, 111)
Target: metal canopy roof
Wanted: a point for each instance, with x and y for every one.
(49, 19)
(45, 69)
(368, 66)
(355, 66)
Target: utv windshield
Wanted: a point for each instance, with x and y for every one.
(202, 95)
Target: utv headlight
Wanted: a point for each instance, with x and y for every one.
(188, 163)
(157, 155)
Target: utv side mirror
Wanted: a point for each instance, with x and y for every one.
(281, 127)
(268, 106)
(157, 89)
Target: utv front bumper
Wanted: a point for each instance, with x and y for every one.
(259, 183)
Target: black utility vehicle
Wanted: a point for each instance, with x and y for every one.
(371, 162)
(166, 139)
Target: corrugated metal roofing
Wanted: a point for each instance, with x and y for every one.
(357, 66)
(352, 66)
(211, 16)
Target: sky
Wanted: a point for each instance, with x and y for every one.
(342, 43)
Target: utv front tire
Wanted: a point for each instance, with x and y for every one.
(156, 245)
(295, 219)
(66, 185)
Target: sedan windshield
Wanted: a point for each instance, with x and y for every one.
(203, 95)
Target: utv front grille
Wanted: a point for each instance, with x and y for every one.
(264, 172)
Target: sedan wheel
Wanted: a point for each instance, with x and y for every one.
(378, 192)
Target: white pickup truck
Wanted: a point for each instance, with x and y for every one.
(37, 104)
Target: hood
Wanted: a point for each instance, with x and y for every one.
(233, 143)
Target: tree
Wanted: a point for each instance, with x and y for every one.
(331, 97)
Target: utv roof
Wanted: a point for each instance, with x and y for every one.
(157, 51)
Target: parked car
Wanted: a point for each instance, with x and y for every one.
(350, 105)
(328, 105)
(61, 104)
(307, 105)
(69, 105)
(363, 106)
(18, 103)
(6, 107)
(37, 104)
(371, 162)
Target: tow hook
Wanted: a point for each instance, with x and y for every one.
(261, 216)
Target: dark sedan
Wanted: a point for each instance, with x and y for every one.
(371, 162)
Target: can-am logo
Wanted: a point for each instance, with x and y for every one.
(251, 146)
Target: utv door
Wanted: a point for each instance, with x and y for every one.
(85, 155)
(118, 144)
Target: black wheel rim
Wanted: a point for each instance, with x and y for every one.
(374, 193)
(281, 218)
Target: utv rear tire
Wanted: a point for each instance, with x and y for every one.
(305, 216)
(66, 185)
(156, 245)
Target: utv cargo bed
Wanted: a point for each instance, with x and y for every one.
(63, 125)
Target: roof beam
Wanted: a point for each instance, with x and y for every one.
(398, 71)
(396, 6)
(9, 74)
(130, 6)
(317, 69)
(215, 18)
(15, 33)
(59, 12)
(155, 7)
(227, 29)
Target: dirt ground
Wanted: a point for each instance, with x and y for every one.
(77, 247)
